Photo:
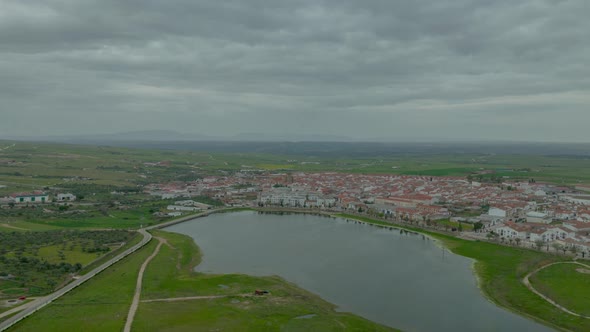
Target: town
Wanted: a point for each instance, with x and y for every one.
(529, 213)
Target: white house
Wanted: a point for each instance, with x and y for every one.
(174, 214)
(511, 230)
(496, 212)
(538, 217)
(35, 197)
(66, 197)
(550, 234)
(181, 208)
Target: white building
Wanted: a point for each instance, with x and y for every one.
(66, 197)
(25, 198)
(496, 212)
(289, 198)
(580, 199)
(181, 208)
(511, 231)
(538, 217)
(551, 234)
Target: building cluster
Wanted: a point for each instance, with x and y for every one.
(530, 211)
(37, 197)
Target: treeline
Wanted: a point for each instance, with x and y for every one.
(22, 266)
(29, 241)
(31, 271)
(88, 189)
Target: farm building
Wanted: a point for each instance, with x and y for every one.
(34, 197)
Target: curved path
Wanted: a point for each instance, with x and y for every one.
(138, 284)
(527, 283)
(41, 302)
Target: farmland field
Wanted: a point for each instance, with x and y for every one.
(565, 284)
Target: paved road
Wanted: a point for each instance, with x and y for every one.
(41, 302)
(527, 283)
(16, 309)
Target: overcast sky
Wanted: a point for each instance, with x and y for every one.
(387, 69)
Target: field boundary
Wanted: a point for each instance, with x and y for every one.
(528, 284)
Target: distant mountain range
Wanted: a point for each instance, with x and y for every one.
(173, 136)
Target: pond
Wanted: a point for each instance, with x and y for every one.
(400, 279)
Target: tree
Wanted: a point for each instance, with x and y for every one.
(574, 249)
(477, 226)
(518, 241)
(556, 246)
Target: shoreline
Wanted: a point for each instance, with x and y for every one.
(435, 236)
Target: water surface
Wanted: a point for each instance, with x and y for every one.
(399, 279)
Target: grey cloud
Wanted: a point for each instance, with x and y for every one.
(360, 67)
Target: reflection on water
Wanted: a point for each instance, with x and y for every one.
(396, 277)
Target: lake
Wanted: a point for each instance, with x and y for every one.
(403, 280)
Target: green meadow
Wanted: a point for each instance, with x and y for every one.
(36, 263)
(28, 166)
(566, 284)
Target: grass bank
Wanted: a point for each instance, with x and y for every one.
(287, 308)
(566, 284)
(500, 270)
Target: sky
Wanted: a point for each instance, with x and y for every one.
(406, 70)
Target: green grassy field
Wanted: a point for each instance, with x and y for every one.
(97, 305)
(564, 284)
(103, 259)
(132, 215)
(23, 226)
(39, 262)
(75, 255)
(102, 303)
(38, 165)
(500, 270)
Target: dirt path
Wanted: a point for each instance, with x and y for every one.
(13, 227)
(527, 283)
(135, 303)
(188, 298)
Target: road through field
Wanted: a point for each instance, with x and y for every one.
(137, 296)
(41, 302)
(527, 283)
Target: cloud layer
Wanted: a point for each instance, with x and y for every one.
(412, 69)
